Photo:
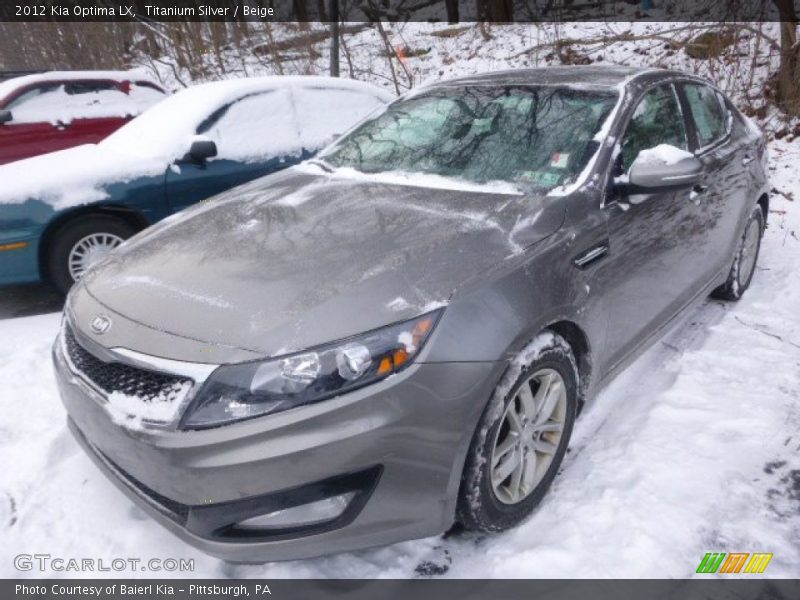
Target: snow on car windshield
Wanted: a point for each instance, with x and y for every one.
(540, 135)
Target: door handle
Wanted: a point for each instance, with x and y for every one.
(591, 255)
(747, 160)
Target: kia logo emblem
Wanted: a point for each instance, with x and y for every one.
(100, 324)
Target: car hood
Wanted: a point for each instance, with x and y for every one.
(296, 259)
(73, 176)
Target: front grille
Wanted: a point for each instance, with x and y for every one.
(111, 377)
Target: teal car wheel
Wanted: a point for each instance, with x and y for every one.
(81, 243)
(89, 250)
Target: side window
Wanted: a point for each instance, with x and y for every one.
(256, 127)
(656, 120)
(324, 113)
(76, 88)
(707, 113)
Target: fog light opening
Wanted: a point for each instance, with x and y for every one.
(303, 515)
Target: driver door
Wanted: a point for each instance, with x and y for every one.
(653, 265)
(255, 136)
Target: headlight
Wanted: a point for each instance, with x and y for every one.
(245, 390)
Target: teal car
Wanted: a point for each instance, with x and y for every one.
(61, 212)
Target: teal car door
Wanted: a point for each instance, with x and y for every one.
(256, 135)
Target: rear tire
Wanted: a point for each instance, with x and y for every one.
(488, 500)
(74, 241)
(744, 263)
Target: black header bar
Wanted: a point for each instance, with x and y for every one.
(464, 11)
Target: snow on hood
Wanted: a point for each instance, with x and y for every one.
(71, 177)
(267, 266)
(434, 182)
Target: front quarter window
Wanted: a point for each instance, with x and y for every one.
(656, 120)
(541, 135)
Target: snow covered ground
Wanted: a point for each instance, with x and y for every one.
(695, 448)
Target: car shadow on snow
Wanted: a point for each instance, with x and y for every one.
(29, 300)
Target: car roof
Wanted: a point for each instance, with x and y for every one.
(241, 86)
(9, 86)
(598, 76)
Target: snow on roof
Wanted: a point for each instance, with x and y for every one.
(174, 120)
(11, 85)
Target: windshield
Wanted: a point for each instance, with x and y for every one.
(543, 135)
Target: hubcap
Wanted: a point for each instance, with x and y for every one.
(747, 257)
(89, 250)
(528, 437)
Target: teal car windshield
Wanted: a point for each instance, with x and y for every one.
(543, 135)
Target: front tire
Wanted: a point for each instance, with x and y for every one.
(744, 263)
(80, 243)
(521, 439)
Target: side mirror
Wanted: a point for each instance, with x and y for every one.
(200, 151)
(662, 169)
(5, 116)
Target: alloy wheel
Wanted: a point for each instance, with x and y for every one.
(529, 436)
(749, 252)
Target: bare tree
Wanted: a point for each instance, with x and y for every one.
(788, 97)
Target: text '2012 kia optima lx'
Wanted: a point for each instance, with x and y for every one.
(399, 334)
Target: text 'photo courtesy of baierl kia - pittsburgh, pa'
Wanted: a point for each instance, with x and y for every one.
(368, 299)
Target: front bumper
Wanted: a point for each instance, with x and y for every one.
(398, 446)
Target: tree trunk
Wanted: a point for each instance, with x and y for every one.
(334, 70)
(497, 11)
(789, 74)
(452, 11)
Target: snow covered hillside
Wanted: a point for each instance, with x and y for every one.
(695, 448)
(400, 56)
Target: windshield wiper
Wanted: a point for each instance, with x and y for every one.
(325, 166)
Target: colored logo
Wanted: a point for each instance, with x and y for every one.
(734, 562)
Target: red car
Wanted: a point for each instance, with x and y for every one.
(45, 112)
